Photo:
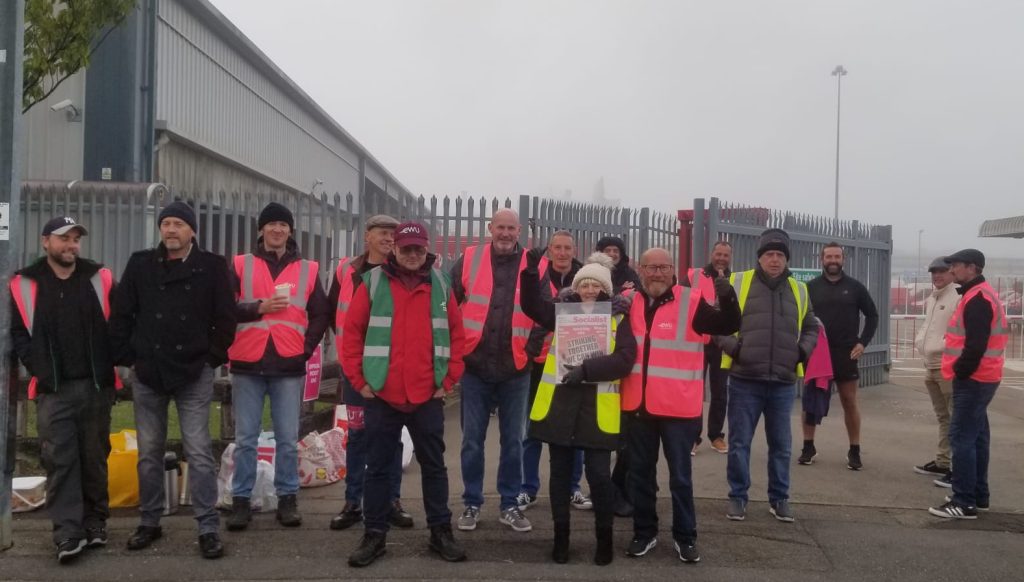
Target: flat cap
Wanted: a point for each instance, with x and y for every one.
(938, 264)
(381, 221)
(967, 256)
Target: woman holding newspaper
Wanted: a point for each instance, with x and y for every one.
(577, 403)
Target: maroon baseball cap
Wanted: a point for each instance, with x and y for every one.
(411, 233)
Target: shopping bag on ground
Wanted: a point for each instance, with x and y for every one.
(27, 493)
(407, 449)
(263, 496)
(225, 475)
(316, 467)
(334, 441)
(122, 470)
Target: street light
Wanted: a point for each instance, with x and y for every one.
(839, 72)
(917, 269)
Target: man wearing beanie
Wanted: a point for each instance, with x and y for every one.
(623, 275)
(282, 315)
(379, 239)
(777, 334)
(402, 344)
(174, 319)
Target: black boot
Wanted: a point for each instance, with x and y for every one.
(372, 546)
(443, 542)
(560, 551)
(241, 514)
(605, 551)
(288, 511)
(350, 515)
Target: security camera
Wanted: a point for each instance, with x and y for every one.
(61, 105)
(68, 107)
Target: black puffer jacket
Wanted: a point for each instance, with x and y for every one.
(572, 419)
(770, 346)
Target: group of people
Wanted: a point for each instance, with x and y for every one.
(179, 312)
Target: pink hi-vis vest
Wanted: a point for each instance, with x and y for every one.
(25, 291)
(343, 274)
(286, 328)
(675, 367)
(478, 283)
(991, 367)
(699, 280)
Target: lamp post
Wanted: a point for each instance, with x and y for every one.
(917, 269)
(839, 72)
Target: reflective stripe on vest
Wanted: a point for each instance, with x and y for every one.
(377, 343)
(673, 382)
(24, 291)
(478, 283)
(990, 369)
(609, 408)
(542, 357)
(286, 328)
(741, 284)
(344, 274)
(699, 280)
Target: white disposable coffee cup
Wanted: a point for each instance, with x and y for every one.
(283, 290)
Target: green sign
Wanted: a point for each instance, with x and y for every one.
(805, 275)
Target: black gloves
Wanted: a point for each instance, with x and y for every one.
(574, 376)
(723, 290)
(533, 257)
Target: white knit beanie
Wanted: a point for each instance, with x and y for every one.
(595, 269)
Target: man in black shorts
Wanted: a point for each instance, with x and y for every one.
(839, 301)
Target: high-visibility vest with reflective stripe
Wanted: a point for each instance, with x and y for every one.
(991, 367)
(478, 283)
(286, 328)
(377, 344)
(699, 280)
(344, 274)
(25, 291)
(675, 363)
(609, 407)
(542, 357)
(741, 284)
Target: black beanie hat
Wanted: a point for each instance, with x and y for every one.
(773, 239)
(275, 212)
(613, 241)
(179, 209)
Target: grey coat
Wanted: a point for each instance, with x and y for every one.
(769, 345)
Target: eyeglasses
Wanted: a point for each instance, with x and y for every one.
(654, 269)
(412, 250)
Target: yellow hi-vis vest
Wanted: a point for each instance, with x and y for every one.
(741, 284)
(608, 401)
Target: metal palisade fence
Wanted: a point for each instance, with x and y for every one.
(121, 219)
(868, 251)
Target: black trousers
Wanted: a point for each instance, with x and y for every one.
(383, 437)
(597, 463)
(718, 383)
(620, 475)
(74, 438)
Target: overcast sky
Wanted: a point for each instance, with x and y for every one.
(673, 100)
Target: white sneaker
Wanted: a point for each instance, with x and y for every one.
(581, 501)
(524, 500)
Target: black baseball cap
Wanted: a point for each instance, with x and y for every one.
(967, 256)
(62, 225)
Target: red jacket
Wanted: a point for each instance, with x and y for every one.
(411, 369)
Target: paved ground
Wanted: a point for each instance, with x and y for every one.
(850, 525)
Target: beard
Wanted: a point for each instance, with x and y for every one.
(63, 259)
(833, 269)
(656, 288)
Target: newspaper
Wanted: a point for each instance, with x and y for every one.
(582, 330)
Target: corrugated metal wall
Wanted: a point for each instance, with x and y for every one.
(211, 94)
(53, 145)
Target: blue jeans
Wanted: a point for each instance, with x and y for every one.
(384, 432)
(193, 403)
(748, 400)
(969, 440)
(247, 395)
(677, 436)
(478, 399)
(355, 477)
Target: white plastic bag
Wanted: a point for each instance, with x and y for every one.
(224, 477)
(264, 496)
(334, 442)
(407, 450)
(316, 467)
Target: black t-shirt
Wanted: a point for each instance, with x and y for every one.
(69, 325)
(839, 305)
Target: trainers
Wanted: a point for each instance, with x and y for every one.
(515, 519)
(944, 481)
(581, 501)
(350, 515)
(981, 506)
(780, 509)
(524, 500)
(931, 468)
(399, 517)
(95, 537)
(467, 521)
(807, 455)
(640, 546)
(443, 543)
(688, 552)
(737, 510)
(241, 514)
(69, 549)
(853, 460)
(951, 510)
(372, 546)
(720, 445)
